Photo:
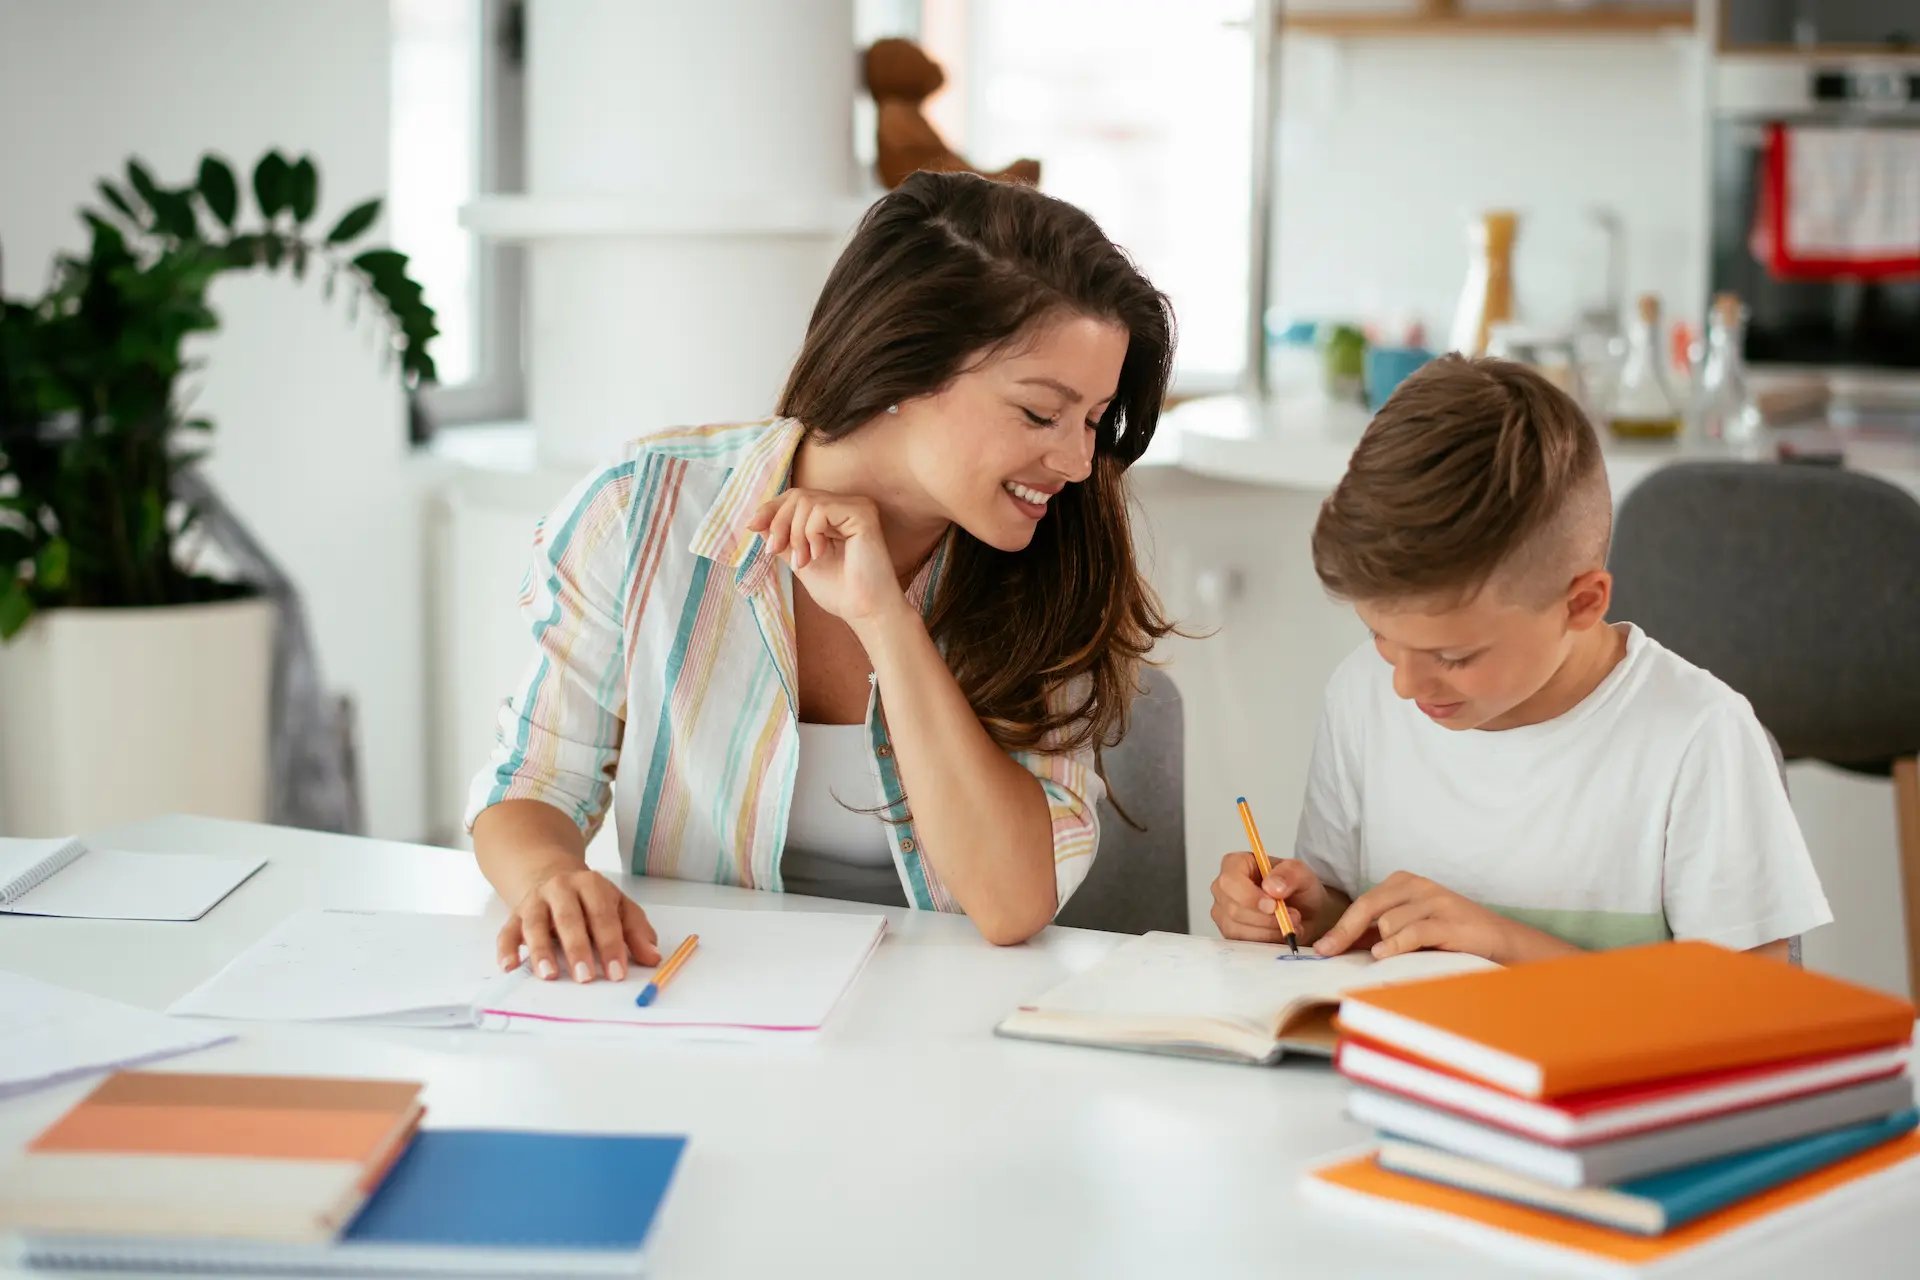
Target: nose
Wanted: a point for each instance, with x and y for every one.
(1073, 461)
(1409, 684)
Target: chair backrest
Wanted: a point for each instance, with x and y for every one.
(1799, 586)
(1139, 879)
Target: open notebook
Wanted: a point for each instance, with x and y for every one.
(756, 972)
(1205, 998)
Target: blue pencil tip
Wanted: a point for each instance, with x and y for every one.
(647, 993)
(1239, 799)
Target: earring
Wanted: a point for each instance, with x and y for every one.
(893, 408)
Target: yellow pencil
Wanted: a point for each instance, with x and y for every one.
(664, 974)
(1280, 915)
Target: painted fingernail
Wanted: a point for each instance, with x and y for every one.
(547, 970)
(616, 972)
(581, 973)
(507, 964)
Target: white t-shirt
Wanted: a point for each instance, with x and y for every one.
(1653, 809)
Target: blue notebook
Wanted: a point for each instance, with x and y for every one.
(1659, 1202)
(476, 1202)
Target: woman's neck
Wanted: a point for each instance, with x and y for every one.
(912, 529)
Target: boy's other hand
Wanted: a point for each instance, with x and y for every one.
(1412, 913)
(1243, 906)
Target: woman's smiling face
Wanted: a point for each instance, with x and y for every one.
(991, 449)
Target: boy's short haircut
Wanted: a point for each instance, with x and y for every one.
(1475, 472)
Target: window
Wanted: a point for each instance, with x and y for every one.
(458, 131)
(1141, 113)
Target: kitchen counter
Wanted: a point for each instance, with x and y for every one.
(1303, 441)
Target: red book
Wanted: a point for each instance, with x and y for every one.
(1604, 1114)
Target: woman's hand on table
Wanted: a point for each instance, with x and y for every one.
(574, 920)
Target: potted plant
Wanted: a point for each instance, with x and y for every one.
(131, 678)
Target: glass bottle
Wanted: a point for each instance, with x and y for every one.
(1487, 298)
(1723, 408)
(1644, 407)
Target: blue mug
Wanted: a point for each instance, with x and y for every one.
(1385, 368)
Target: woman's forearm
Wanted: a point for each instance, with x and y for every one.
(519, 843)
(979, 817)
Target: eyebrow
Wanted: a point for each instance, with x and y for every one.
(1468, 649)
(1053, 384)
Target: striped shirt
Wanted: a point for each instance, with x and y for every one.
(664, 677)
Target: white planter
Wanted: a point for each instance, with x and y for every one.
(114, 715)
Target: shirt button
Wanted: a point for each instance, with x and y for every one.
(906, 846)
(884, 751)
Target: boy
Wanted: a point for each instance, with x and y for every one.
(1501, 770)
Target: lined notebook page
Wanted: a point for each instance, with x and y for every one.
(55, 1034)
(387, 966)
(1173, 975)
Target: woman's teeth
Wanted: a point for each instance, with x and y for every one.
(1020, 491)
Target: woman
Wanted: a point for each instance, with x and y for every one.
(871, 648)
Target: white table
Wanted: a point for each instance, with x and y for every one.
(905, 1140)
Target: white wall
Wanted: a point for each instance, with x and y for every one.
(311, 443)
(1389, 146)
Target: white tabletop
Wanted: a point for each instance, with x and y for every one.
(906, 1139)
(1302, 441)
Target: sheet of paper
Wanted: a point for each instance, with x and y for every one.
(54, 1034)
(387, 966)
(106, 884)
(1174, 975)
(754, 971)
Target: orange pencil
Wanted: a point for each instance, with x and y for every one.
(664, 974)
(1280, 915)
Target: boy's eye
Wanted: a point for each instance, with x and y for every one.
(1454, 664)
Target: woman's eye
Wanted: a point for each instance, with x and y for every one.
(1037, 420)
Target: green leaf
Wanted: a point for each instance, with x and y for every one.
(16, 606)
(218, 189)
(107, 240)
(353, 222)
(173, 215)
(118, 199)
(51, 567)
(303, 188)
(382, 264)
(142, 181)
(272, 178)
(274, 249)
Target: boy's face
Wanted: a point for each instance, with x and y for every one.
(1489, 663)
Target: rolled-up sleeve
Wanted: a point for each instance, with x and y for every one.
(1074, 790)
(558, 737)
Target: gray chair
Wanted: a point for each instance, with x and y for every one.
(1800, 587)
(1139, 880)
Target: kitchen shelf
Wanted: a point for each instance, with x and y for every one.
(1639, 20)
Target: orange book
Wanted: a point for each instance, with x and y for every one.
(1608, 1018)
(285, 1158)
(1359, 1184)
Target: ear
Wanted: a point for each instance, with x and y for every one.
(1588, 597)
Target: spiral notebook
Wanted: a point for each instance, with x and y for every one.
(63, 877)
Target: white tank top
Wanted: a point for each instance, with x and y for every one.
(833, 783)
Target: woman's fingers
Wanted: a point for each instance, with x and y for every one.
(570, 923)
(797, 517)
(643, 943)
(507, 945)
(537, 924)
(603, 925)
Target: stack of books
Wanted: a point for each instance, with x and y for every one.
(292, 1174)
(1624, 1105)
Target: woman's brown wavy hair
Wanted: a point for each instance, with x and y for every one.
(1047, 642)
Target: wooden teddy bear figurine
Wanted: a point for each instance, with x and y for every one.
(900, 76)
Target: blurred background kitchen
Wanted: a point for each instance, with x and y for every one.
(1703, 218)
